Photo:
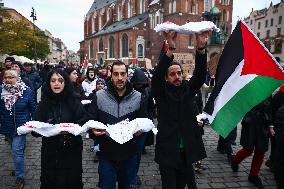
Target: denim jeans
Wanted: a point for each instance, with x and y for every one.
(139, 154)
(18, 151)
(112, 171)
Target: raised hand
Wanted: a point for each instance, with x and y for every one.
(201, 39)
(170, 38)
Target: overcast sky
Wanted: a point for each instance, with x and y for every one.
(64, 18)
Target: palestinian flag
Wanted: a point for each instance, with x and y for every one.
(246, 75)
(84, 68)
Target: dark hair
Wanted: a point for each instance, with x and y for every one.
(277, 59)
(48, 93)
(118, 63)
(12, 59)
(172, 64)
(69, 70)
(19, 64)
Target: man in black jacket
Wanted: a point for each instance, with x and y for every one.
(179, 142)
(31, 74)
(117, 102)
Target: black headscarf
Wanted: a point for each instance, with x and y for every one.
(48, 94)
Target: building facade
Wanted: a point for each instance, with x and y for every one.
(268, 25)
(124, 29)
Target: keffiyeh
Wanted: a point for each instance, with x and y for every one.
(11, 93)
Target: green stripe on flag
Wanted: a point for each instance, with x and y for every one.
(244, 100)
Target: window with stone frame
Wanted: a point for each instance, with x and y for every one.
(91, 49)
(129, 8)
(124, 45)
(278, 31)
(140, 51)
(170, 7)
(258, 25)
(101, 45)
(278, 47)
(142, 6)
(111, 47)
(192, 7)
(118, 13)
(174, 6)
(271, 22)
(280, 20)
(267, 45)
(267, 33)
(93, 24)
(266, 23)
(100, 21)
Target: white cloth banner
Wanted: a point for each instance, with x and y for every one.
(188, 28)
(120, 132)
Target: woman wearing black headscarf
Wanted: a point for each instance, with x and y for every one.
(73, 76)
(61, 155)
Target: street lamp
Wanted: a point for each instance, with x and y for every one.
(33, 16)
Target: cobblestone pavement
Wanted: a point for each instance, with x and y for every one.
(217, 175)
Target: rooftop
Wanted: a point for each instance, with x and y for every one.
(98, 4)
(123, 25)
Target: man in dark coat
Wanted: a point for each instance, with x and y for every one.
(179, 142)
(32, 75)
(140, 84)
(278, 163)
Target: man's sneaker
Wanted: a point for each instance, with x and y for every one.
(234, 166)
(256, 181)
(19, 184)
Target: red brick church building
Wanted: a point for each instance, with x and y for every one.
(123, 29)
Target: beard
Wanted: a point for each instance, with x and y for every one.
(119, 85)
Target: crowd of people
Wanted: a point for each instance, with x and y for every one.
(168, 96)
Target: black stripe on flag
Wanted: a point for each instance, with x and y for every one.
(232, 55)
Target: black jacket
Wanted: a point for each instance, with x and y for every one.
(279, 143)
(139, 78)
(34, 78)
(255, 127)
(107, 107)
(61, 155)
(177, 115)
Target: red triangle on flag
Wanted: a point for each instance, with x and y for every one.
(257, 60)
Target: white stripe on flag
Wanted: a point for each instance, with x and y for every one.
(234, 83)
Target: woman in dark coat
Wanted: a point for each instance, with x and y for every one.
(254, 138)
(61, 155)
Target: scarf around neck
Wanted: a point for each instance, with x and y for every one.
(11, 93)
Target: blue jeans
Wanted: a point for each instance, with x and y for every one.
(112, 171)
(139, 154)
(18, 144)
